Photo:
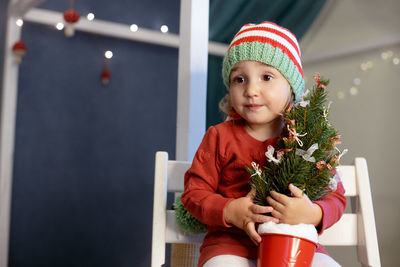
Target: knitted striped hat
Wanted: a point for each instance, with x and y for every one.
(270, 44)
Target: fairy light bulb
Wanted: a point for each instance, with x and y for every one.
(90, 16)
(367, 65)
(108, 54)
(164, 28)
(353, 90)
(19, 22)
(134, 28)
(60, 26)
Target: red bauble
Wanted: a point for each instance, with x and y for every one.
(19, 50)
(105, 77)
(71, 16)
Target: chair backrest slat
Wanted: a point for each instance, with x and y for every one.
(347, 173)
(368, 250)
(347, 227)
(176, 173)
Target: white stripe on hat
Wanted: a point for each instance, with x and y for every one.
(275, 27)
(273, 36)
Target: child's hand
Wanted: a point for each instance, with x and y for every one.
(296, 209)
(244, 214)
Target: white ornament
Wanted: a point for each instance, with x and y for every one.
(333, 182)
(296, 135)
(307, 155)
(306, 93)
(256, 168)
(303, 102)
(270, 155)
(341, 154)
(326, 112)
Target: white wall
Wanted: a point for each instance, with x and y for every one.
(369, 120)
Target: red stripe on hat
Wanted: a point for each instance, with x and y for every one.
(272, 42)
(281, 34)
(280, 27)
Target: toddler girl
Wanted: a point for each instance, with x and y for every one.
(263, 73)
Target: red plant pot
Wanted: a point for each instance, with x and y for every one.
(279, 250)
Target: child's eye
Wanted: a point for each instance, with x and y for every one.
(238, 80)
(267, 77)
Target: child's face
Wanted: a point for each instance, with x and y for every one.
(259, 93)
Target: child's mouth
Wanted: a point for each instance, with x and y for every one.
(253, 107)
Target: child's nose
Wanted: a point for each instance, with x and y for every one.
(251, 89)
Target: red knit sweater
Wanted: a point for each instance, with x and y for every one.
(218, 175)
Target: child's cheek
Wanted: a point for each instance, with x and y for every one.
(270, 98)
(275, 103)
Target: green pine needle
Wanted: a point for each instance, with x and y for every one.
(186, 221)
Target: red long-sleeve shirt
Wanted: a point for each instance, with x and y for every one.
(218, 175)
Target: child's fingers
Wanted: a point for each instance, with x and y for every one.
(260, 209)
(258, 214)
(252, 193)
(276, 205)
(250, 229)
(263, 219)
(276, 214)
(281, 198)
(296, 192)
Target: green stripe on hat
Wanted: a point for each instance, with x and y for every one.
(267, 54)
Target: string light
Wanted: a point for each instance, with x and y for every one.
(367, 65)
(108, 54)
(340, 95)
(386, 54)
(134, 28)
(356, 81)
(164, 28)
(19, 22)
(353, 90)
(60, 26)
(90, 16)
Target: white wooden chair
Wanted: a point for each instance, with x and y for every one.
(353, 229)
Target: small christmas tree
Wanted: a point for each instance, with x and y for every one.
(306, 154)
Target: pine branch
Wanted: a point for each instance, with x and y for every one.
(312, 176)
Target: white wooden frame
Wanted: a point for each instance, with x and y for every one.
(7, 129)
(355, 229)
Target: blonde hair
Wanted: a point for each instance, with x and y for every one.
(225, 105)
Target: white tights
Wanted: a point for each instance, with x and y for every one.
(319, 260)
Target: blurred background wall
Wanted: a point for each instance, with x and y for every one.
(364, 88)
(84, 152)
